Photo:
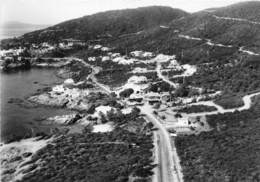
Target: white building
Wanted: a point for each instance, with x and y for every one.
(91, 59)
(137, 79)
(97, 47)
(114, 55)
(142, 54)
(140, 70)
(105, 49)
(105, 58)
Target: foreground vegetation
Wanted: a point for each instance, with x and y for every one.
(230, 152)
(120, 155)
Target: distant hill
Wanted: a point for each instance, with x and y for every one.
(14, 29)
(20, 25)
(107, 24)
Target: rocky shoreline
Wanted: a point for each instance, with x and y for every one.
(75, 94)
(25, 63)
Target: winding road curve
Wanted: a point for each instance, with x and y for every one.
(247, 99)
(211, 43)
(236, 19)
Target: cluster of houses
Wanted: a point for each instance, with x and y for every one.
(141, 93)
(133, 57)
(17, 57)
(142, 54)
(42, 48)
(10, 56)
(65, 44)
(10, 52)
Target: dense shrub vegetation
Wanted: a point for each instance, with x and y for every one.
(230, 152)
(242, 77)
(113, 78)
(161, 87)
(95, 157)
(126, 92)
(229, 101)
(197, 109)
(149, 75)
(80, 72)
(112, 74)
(124, 153)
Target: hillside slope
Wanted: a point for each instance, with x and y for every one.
(107, 24)
(203, 36)
(246, 10)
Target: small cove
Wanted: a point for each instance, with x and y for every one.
(18, 121)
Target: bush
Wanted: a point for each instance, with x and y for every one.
(182, 91)
(126, 93)
(161, 87)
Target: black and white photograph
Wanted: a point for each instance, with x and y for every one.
(130, 91)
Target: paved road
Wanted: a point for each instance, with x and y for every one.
(168, 170)
(236, 19)
(247, 100)
(157, 170)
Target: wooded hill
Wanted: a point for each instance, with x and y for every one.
(106, 24)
